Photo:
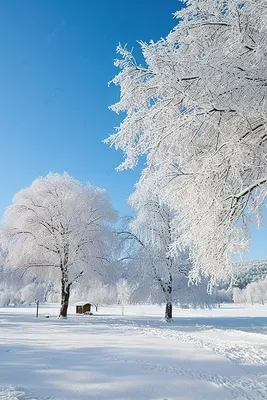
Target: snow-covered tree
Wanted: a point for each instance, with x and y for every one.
(10, 287)
(95, 291)
(123, 293)
(197, 110)
(152, 225)
(154, 231)
(59, 230)
(32, 292)
(99, 294)
(153, 271)
(18, 288)
(254, 292)
(238, 296)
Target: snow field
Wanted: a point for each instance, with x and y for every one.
(203, 354)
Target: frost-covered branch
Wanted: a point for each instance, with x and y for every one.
(197, 111)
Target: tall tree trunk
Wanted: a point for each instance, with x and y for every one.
(65, 285)
(65, 295)
(168, 311)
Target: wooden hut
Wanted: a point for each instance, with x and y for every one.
(83, 307)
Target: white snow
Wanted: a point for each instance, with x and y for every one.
(203, 354)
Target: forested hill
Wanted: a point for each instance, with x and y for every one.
(246, 272)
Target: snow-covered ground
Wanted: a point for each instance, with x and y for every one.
(203, 354)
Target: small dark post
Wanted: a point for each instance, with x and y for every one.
(37, 308)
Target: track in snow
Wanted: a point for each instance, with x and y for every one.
(239, 353)
(245, 388)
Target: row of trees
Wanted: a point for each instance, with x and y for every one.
(255, 292)
(17, 288)
(59, 232)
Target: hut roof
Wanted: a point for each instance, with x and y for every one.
(82, 303)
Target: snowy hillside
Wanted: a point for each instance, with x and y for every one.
(247, 272)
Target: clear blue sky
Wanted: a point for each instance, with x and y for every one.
(56, 60)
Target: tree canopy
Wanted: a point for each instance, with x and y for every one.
(59, 229)
(196, 109)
